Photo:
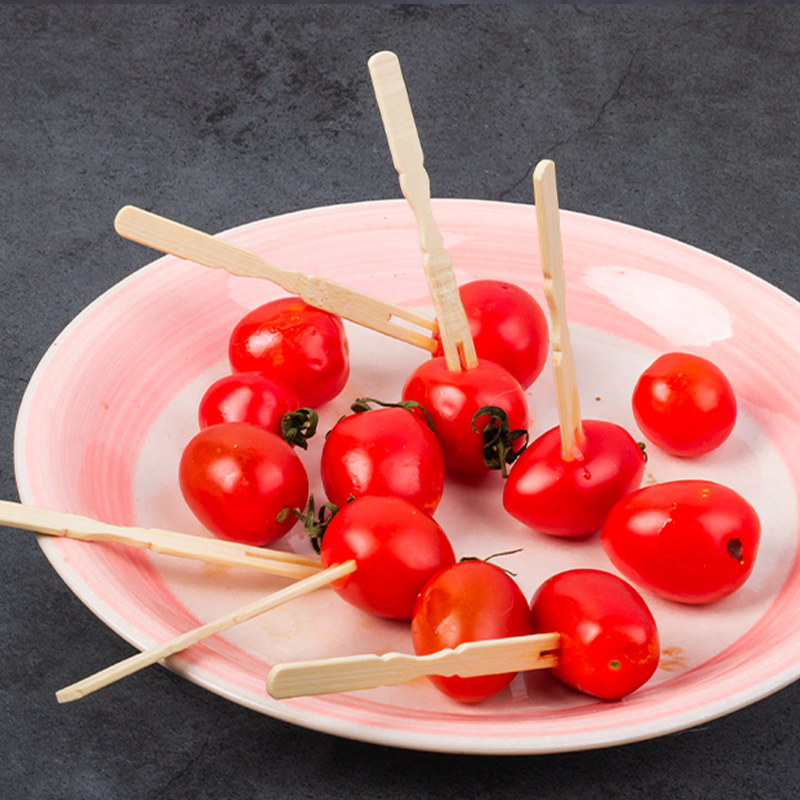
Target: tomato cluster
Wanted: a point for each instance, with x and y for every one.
(383, 471)
(240, 475)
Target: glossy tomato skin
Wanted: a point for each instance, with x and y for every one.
(384, 451)
(397, 548)
(242, 482)
(693, 541)
(572, 498)
(609, 644)
(467, 602)
(684, 404)
(295, 344)
(508, 327)
(246, 397)
(452, 398)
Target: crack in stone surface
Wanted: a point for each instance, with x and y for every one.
(753, 13)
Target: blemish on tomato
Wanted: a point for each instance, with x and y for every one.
(735, 550)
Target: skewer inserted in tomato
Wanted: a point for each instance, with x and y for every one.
(609, 643)
(467, 602)
(508, 327)
(572, 496)
(397, 547)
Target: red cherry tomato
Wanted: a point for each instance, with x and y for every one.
(453, 398)
(246, 397)
(684, 404)
(572, 497)
(693, 541)
(609, 643)
(383, 451)
(397, 548)
(468, 602)
(295, 344)
(242, 482)
(508, 327)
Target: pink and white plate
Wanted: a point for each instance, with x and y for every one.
(114, 400)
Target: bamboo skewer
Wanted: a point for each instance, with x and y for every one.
(214, 551)
(403, 139)
(549, 228)
(182, 241)
(148, 657)
(350, 673)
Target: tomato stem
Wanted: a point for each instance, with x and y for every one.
(362, 404)
(499, 439)
(299, 426)
(488, 560)
(315, 525)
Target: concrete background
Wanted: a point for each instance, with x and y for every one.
(681, 119)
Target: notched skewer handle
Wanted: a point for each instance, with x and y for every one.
(408, 159)
(350, 673)
(171, 543)
(182, 241)
(549, 229)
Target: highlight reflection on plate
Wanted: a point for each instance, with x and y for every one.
(114, 400)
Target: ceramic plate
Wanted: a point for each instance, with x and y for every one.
(113, 402)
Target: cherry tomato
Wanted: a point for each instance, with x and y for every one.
(572, 497)
(508, 327)
(693, 541)
(383, 451)
(453, 398)
(684, 404)
(467, 602)
(295, 344)
(246, 397)
(397, 548)
(242, 482)
(609, 643)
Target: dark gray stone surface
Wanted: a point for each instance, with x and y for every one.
(681, 119)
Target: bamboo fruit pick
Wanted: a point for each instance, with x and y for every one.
(213, 551)
(182, 241)
(148, 657)
(549, 227)
(401, 133)
(350, 673)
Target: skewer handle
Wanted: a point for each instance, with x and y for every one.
(182, 241)
(350, 673)
(401, 134)
(144, 659)
(549, 227)
(212, 551)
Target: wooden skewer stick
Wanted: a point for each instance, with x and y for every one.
(144, 659)
(401, 133)
(182, 241)
(350, 673)
(214, 551)
(549, 227)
